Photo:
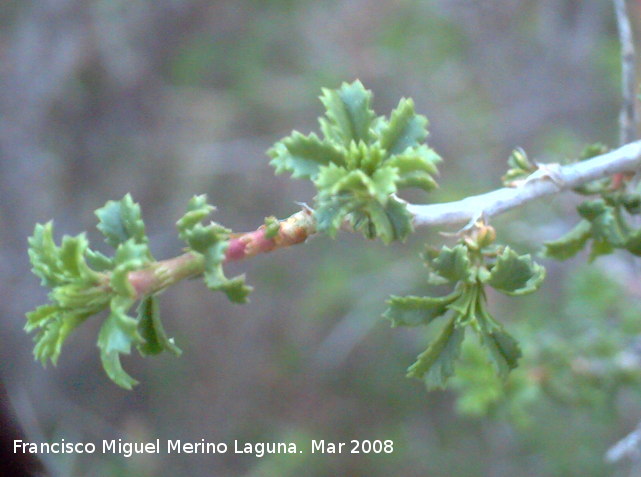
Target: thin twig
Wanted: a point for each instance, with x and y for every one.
(628, 117)
(628, 447)
(624, 159)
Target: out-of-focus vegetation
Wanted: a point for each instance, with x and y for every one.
(167, 98)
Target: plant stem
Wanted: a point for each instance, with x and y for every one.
(160, 275)
(296, 228)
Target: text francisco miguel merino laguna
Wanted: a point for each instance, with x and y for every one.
(127, 448)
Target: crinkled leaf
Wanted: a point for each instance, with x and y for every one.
(129, 256)
(45, 256)
(365, 157)
(516, 275)
(399, 218)
(327, 179)
(117, 334)
(72, 257)
(197, 210)
(235, 288)
(452, 264)
(39, 317)
(55, 325)
(416, 310)
(302, 155)
(212, 241)
(331, 212)
(201, 237)
(151, 329)
(463, 305)
(405, 128)
(390, 222)
(98, 261)
(503, 350)
(436, 363)
(605, 224)
(59, 265)
(80, 297)
(371, 220)
(384, 180)
(570, 244)
(416, 168)
(349, 116)
(120, 221)
(334, 180)
(355, 182)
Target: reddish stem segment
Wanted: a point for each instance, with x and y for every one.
(159, 275)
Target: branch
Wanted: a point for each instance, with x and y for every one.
(159, 275)
(628, 117)
(628, 447)
(546, 181)
(297, 228)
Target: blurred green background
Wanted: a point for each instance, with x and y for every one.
(170, 98)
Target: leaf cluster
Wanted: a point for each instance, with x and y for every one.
(605, 221)
(519, 167)
(211, 242)
(470, 266)
(360, 162)
(85, 282)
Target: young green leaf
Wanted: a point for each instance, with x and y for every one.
(452, 264)
(570, 244)
(516, 275)
(49, 342)
(607, 225)
(436, 363)
(404, 130)
(212, 241)
(130, 256)
(302, 156)
(519, 167)
(504, 351)
(72, 258)
(416, 168)
(120, 221)
(235, 288)
(215, 279)
(197, 210)
(79, 297)
(399, 218)
(54, 325)
(151, 329)
(331, 211)
(45, 256)
(416, 310)
(98, 261)
(349, 116)
(117, 334)
(272, 227)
